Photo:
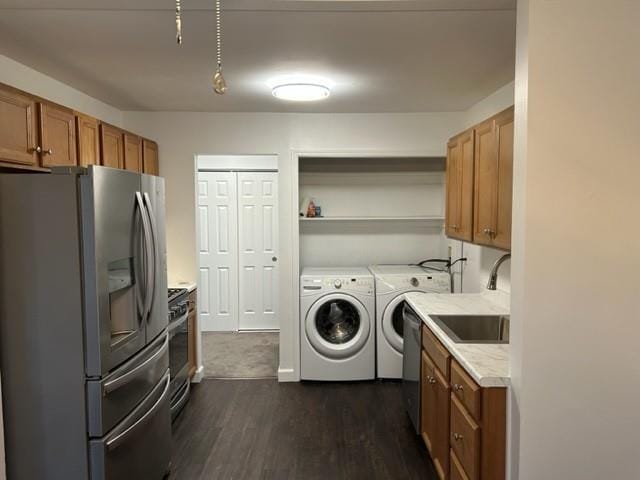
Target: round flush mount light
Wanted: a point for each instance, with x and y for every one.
(301, 92)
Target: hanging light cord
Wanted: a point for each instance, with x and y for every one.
(218, 35)
(178, 22)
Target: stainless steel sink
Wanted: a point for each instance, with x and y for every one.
(474, 328)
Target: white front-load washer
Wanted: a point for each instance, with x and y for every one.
(337, 324)
(392, 282)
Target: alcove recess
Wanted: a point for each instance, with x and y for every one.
(374, 210)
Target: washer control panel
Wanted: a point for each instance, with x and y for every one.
(351, 284)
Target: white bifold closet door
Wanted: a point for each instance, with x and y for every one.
(238, 250)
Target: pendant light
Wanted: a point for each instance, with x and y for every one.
(219, 84)
(178, 23)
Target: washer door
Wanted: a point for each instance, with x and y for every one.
(337, 325)
(393, 323)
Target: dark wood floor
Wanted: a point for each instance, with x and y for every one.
(260, 429)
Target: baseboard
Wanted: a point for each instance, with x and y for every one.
(287, 375)
(199, 375)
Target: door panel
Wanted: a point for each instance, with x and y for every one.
(113, 267)
(18, 134)
(150, 157)
(111, 146)
(504, 140)
(88, 141)
(153, 192)
(132, 152)
(485, 183)
(218, 251)
(258, 250)
(57, 135)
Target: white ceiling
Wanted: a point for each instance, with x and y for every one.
(382, 55)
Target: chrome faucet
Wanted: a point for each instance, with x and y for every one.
(493, 276)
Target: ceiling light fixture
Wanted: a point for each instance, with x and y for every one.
(301, 92)
(219, 84)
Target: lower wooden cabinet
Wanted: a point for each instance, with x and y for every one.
(463, 424)
(456, 471)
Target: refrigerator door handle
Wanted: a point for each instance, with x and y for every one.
(156, 252)
(147, 251)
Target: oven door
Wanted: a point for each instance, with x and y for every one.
(178, 353)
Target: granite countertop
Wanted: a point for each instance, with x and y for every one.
(191, 286)
(488, 364)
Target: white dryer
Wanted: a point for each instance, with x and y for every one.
(392, 282)
(337, 324)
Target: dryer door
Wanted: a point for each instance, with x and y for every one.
(338, 326)
(393, 323)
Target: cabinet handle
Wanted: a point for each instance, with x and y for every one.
(457, 387)
(48, 151)
(457, 437)
(36, 149)
(432, 380)
(455, 227)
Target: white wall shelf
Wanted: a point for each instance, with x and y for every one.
(430, 219)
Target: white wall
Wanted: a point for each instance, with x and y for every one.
(24, 78)
(182, 135)
(576, 293)
(481, 259)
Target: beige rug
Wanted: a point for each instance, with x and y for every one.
(240, 355)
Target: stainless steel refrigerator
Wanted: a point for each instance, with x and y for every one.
(83, 325)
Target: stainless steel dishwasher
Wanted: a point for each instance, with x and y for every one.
(411, 365)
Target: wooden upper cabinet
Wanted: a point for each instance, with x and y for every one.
(88, 136)
(493, 181)
(485, 182)
(18, 131)
(132, 152)
(459, 186)
(111, 146)
(150, 163)
(504, 148)
(57, 135)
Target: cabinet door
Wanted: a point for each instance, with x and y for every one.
(18, 133)
(57, 135)
(427, 403)
(459, 210)
(440, 453)
(504, 151)
(111, 146)
(452, 215)
(486, 183)
(132, 152)
(88, 140)
(150, 157)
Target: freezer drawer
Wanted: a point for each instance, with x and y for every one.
(140, 446)
(109, 400)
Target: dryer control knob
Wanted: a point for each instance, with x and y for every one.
(414, 282)
(337, 284)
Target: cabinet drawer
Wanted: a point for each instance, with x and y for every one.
(465, 389)
(465, 439)
(436, 351)
(457, 472)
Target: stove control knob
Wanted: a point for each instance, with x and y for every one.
(337, 284)
(414, 282)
